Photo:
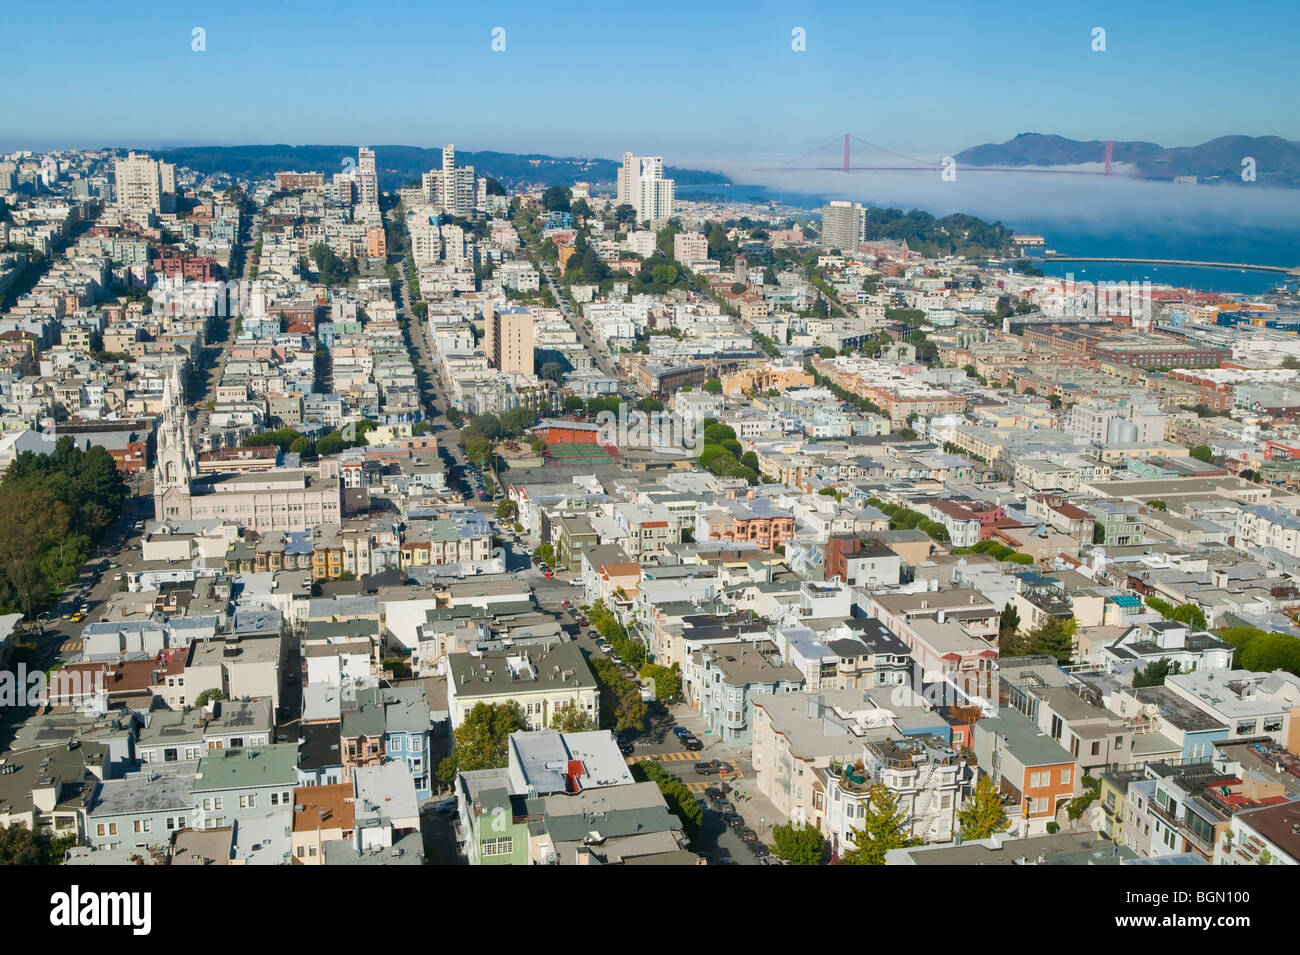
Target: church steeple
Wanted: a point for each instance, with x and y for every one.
(175, 465)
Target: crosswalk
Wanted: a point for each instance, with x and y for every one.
(72, 646)
(684, 756)
(695, 786)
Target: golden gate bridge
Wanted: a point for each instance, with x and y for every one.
(925, 165)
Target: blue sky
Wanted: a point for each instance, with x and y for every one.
(692, 81)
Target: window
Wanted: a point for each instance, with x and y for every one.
(1065, 776)
(248, 802)
(143, 825)
(1273, 725)
(1096, 748)
(498, 847)
(1246, 727)
(302, 851)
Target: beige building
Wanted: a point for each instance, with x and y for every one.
(791, 742)
(321, 814)
(508, 338)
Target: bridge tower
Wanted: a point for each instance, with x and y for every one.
(1110, 152)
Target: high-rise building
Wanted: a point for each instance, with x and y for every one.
(141, 183)
(509, 338)
(641, 184)
(367, 178)
(454, 189)
(844, 225)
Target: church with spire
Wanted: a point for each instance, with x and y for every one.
(283, 499)
(176, 466)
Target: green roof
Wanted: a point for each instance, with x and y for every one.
(273, 765)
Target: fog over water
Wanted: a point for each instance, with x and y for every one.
(1117, 216)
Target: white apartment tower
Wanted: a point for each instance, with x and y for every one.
(843, 226)
(367, 178)
(455, 190)
(641, 184)
(141, 183)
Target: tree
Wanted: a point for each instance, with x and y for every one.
(487, 426)
(680, 800)
(884, 827)
(1009, 622)
(211, 695)
(713, 386)
(826, 351)
(667, 680)
(1201, 452)
(477, 449)
(480, 740)
(515, 421)
(552, 371)
(507, 510)
(1154, 673)
(983, 815)
(20, 846)
(798, 845)
(556, 199)
(1191, 615)
(545, 553)
(573, 719)
(1054, 637)
(625, 214)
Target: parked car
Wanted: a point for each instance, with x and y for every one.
(626, 749)
(746, 834)
(681, 732)
(77, 617)
(711, 767)
(446, 805)
(733, 820)
(760, 851)
(692, 744)
(714, 794)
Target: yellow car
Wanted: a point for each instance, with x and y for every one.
(78, 617)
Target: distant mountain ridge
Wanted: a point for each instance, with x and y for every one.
(398, 165)
(1277, 160)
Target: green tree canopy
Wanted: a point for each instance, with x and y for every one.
(883, 828)
(983, 813)
(799, 845)
(480, 740)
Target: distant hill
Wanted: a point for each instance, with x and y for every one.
(1277, 160)
(398, 165)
